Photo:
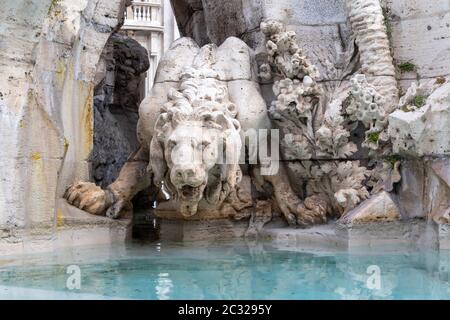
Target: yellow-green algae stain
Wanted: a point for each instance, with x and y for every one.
(66, 144)
(60, 72)
(88, 118)
(35, 156)
(59, 218)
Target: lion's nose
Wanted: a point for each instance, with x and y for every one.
(185, 173)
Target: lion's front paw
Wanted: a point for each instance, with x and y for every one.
(289, 205)
(88, 197)
(312, 211)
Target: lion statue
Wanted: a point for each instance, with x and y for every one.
(192, 142)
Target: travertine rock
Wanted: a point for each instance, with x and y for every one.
(424, 191)
(379, 208)
(412, 189)
(424, 132)
(413, 21)
(48, 61)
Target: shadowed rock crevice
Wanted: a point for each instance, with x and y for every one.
(121, 76)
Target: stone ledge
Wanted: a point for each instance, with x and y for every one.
(73, 228)
(444, 237)
(68, 216)
(202, 230)
(410, 234)
(391, 236)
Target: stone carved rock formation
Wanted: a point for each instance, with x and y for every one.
(331, 188)
(342, 140)
(196, 113)
(317, 124)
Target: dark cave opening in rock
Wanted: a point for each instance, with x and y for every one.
(120, 88)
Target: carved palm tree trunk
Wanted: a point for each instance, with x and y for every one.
(369, 29)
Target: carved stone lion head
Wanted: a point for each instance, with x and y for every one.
(196, 146)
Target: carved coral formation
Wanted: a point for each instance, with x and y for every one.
(366, 106)
(340, 184)
(332, 138)
(284, 54)
(296, 102)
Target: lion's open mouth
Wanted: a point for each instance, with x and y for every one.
(188, 192)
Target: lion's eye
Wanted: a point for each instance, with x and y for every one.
(205, 144)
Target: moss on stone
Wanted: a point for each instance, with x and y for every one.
(407, 67)
(373, 137)
(387, 22)
(419, 101)
(392, 159)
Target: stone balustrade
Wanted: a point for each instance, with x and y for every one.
(144, 15)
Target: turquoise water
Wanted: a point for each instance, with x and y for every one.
(226, 271)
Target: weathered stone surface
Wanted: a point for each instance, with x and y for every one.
(17, 41)
(425, 131)
(324, 45)
(73, 228)
(304, 12)
(406, 9)
(411, 189)
(181, 53)
(379, 208)
(423, 191)
(191, 19)
(184, 50)
(379, 237)
(430, 56)
(231, 18)
(437, 194)
(442, 217)
(441, 167)
(48, 58)
(196, 26)
(444, 238)
(206, 230)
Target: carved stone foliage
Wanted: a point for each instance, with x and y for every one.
(320, 149)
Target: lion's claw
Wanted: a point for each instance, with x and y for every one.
(88, 197)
